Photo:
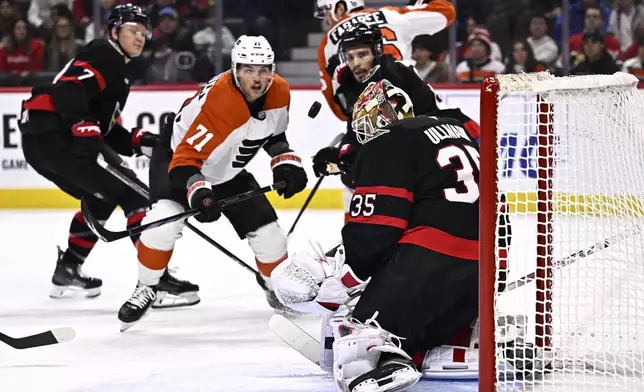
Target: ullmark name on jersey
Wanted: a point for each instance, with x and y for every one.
(445, 131)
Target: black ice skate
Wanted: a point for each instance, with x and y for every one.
(137, 306)
(174, 293)
(69, 281)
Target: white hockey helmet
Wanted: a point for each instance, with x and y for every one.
(322, 5)
(252, 50)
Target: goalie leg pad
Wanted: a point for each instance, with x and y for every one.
(269, 245)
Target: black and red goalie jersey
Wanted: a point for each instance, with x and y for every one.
(93, 87)
(416, 183)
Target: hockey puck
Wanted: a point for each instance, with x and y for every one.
(315, 109)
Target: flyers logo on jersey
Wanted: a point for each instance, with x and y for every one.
(377, 18)
(247, 151)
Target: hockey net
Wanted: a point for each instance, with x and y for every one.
(564, 158)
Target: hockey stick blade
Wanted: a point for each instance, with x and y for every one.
(54, 336)
(594, 248)
(109, 236)
(295, 337)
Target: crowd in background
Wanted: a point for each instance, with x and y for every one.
(516, 36)
(38, 37)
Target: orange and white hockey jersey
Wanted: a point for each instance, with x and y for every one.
(398, 26)
(215, 132)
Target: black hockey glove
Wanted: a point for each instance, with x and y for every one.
(288, 167)
(87, 143)
(201, 196)
(143, 142)
(342, 157)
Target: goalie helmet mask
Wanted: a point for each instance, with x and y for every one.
(252, 50)
(330, 5)
(127, 14)
(379, 105)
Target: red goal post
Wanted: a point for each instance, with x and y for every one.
(575, 207)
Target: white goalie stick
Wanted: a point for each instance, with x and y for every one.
(296, 337)
(594, 248)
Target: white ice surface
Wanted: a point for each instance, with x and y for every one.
(221, 344)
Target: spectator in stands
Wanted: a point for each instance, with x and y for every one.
(8, 15)
(462, 51)
(40, 14)
(207, 35)
(594, 59)
(154, 8)
(170, 31)
(623, 20)
(544, 47)
(635, 65)
(631, 51)
(171, 59)
(63, 45)
(522, 59)
(577, 12)
(204, 68)
(22, 54)
(595, 21)
(429, 66)
(479, 66)
(105, 9)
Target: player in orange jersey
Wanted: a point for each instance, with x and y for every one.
(398, 27)
(201, 159)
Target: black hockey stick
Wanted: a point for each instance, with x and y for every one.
(109, 236)
(58, 335)
(143, 191)
(337, 139)
(594, 248)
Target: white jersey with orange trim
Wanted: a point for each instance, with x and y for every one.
(216, 131)
(398, 26)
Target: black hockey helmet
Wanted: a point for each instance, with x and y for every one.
(361, 34)
(128, 13)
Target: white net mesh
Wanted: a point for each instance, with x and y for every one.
(571, 164)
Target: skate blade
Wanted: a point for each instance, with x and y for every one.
(166, 300)
(125, 326)
(398, 381)
(73, 292)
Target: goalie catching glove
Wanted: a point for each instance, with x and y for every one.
(315, 283)
(333, 160)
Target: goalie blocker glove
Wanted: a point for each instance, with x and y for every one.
(202, 197)
(287, 167)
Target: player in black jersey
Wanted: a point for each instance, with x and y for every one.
(410, 245)
(66, 125)
(359, 62)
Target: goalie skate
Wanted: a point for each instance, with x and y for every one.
(174, 293)
(69, 281)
